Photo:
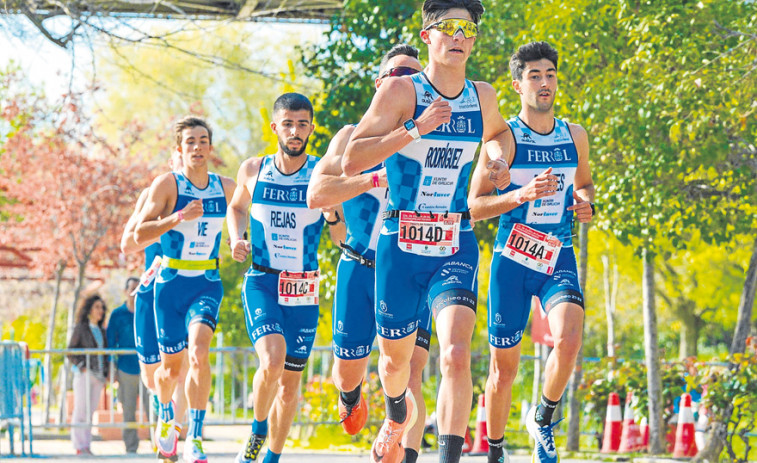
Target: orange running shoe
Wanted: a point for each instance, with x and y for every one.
(353, 417)
(387, 448)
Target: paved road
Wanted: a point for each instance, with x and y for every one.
(221, 445)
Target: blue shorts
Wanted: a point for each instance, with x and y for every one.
(354, 313)
(144, 325)
(408, 284)
(511, 287)
(264, 315)
(180, 302)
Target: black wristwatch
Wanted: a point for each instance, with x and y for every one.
(593, 209)
(336, 213)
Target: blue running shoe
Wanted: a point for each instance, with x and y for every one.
(544, 439)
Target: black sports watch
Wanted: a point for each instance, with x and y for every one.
(593, 209)
(412, 129)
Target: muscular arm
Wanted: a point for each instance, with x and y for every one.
(328, 187)
(481, 202)
(237, 213)
(128, 242)
(496, 130)
(160, 200)
(380, 133)
(338, 232)
(583, 185)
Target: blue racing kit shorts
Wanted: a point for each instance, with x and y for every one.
(408, 284)
(354, 312)
(264, 315)
(182, 301)
(144, 325)
(511, 287)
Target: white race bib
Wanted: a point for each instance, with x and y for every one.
(298, 288)
(149, 275)
(429, 235)
(532, 248)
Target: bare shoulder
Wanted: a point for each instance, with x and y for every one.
(164, 182)
(578, 132)
(484, 89)
(397, 93)
(250, 167)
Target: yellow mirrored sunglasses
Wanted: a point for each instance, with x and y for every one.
(451, 26)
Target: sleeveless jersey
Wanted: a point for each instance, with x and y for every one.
(534, 153)
(362, 215)
(431, 174)
(284, 232)
(198, 239)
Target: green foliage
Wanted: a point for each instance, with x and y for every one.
(731, 398)
(630, 377)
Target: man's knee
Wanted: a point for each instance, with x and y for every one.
(455, 360)
(502, 373)
(567, 346)
(198, 356)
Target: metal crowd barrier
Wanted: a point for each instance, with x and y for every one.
(15, 395)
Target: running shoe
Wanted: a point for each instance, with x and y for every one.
(251, 451)
(544, 439)
(167, 440)
(193, 452)
(387, 448)
(353, 417)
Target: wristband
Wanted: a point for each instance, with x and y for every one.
(180, 215)
(375, 179)
(519, 196)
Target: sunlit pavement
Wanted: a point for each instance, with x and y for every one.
(221, 445)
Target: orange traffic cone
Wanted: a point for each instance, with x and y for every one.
(468, 445)
(630, 439)
(685, 445)
(613, 425)
(481, 443)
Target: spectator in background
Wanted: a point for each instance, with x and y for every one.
(121, 336)
(89, 371)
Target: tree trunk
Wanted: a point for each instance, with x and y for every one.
(574, 405)
(746, 305)
(82, 266)
(691, 324)
(611, 291)
(654, 381)
(49, 342)
(716, 437)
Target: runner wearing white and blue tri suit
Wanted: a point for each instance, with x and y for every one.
(186, 211)
(188, 287)
(427, 129)
(427, 232)
(533, 252)
(280, 292)
(527, 259)
(286, 235)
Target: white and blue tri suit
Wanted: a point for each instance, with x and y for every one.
(354, 315)
(144, 313)
(522, 266)
(188, 287)
(427, 254)
(284, 235)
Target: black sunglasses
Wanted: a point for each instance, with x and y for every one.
(399, 71)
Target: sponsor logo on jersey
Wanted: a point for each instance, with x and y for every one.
(469, 102)
(525, 137)
(557, 155)
(427, 98)
(458, 125)
(507, 341)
